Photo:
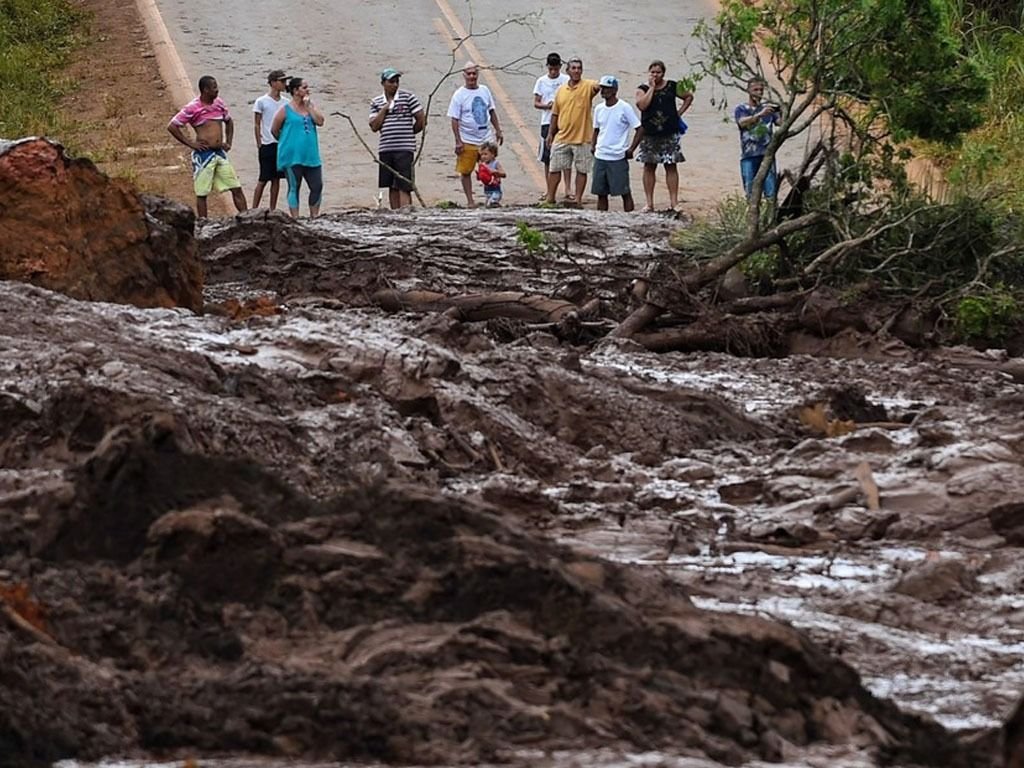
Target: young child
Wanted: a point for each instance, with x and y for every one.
(490, 173)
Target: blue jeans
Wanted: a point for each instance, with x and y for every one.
(748, 170)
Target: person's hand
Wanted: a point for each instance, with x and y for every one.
(499, 135)
(458, 147)
(652, 80)
(201, 144)
(629, 154)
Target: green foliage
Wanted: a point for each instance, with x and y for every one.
(36, 37)
(710, 237)
(761, 267)
(993, 154)
(896, 59)
(987, 316)
(533, 240)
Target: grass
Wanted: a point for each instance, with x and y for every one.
(36, 40)
(992, 155)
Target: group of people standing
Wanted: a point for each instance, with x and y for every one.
(576, 137)
(594, 143)
(286, 140)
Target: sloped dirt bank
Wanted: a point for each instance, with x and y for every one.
(326, 531)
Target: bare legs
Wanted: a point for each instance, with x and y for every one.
(239, 198)
(627, 203)
(398, 198)
(467, 188)
(671, 181)
(556, 177)
(257, 195)
(237, 195)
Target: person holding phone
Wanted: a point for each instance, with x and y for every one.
(756, 120)
(298, 147)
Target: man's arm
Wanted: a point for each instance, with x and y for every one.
(593, 140)
(176, 131)
(277, 123)
(229, 133)
(497, 128)
(751, 120)
(637, 136)
(257, 125)
(419, 120)
(458, 136)
(552, 130)
(377, 119)
(539, 103)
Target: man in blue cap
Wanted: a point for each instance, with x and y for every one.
(397, 116)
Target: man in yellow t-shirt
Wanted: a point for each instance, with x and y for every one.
(572, 128)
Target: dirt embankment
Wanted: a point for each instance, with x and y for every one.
(117, 111)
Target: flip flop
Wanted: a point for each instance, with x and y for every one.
(647, 209)
(570, 198)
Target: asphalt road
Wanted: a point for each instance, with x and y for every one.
(340, 46)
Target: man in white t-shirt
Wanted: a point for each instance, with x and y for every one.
(472, 113)
(264, 109)
(613, 121)
(543, 98)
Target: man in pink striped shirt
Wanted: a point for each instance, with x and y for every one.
(214, 129)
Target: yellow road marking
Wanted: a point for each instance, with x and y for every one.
(526, 156)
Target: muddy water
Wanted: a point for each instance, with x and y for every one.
(743, 525)
(957, 654)
(696, 467)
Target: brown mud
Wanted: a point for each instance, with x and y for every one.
(326, 531)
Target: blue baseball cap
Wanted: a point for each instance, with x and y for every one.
(608, 81)
(389, 74)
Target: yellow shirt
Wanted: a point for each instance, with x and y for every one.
(575, 118)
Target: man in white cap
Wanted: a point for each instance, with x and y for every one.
(472, 113)
(613, 121)
(397, 116)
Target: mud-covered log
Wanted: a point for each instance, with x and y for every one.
(758, 334)
(705, 273)
(474, 307)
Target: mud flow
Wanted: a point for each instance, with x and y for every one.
(309, 527)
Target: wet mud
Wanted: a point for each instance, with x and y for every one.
(303, 526)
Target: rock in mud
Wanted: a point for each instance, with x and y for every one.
(68, 227)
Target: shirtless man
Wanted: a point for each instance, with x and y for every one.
(214, 129)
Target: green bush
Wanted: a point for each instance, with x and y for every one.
(988, 316)
(36, 38)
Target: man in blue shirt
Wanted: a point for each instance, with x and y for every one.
(756, 121)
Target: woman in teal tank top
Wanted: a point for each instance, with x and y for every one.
(298, 147)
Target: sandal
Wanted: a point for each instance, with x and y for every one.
(647, 209)
(569, 198)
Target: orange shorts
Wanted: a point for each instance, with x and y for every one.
(465, 163)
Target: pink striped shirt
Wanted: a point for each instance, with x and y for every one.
(196, 112)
